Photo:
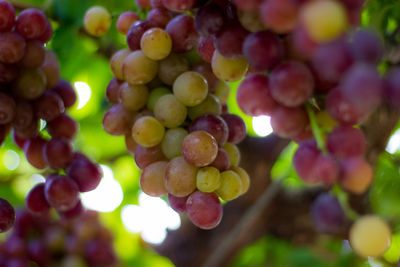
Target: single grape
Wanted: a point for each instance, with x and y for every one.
(229, 40)
(206, 48)
(227, 69)
(7, 108)
(130, 144)
(209, 19)
(233, 153)
(46, 34)
(125, 20)
(356, 176)
(152, 179)
(36, 202)
(210, 105)
(138, 69)
(144, 156)
(324, 20)
(199, 148)
(208, 179)
(31, 23)
(367, 47)
(117, 121)
(63, 126)
(58, 153)
(112, 91)
(23, 114)
(171, 67)
(33, 151)
(254, 96)
(222, 161)
(180, 177)
(148, 131)
(172, 142)
(304, 160)
(12, 47)
(236, 126)
(244, 177)
(190, 88)
(97, 21)
(222, 92)
(327, 214)
(62, 192)
(7, 215)
(327, 169)
(212, 124)
(250, 20)
(281, 16)
(346, 142)
(49, 106)
(170, 111)
(66, 91)
(51, 69)
(156, 44)
(133, 97)
(34, 54)
(159, 17)
(7, 16)
(116, 62)
(204, 209)
(231, 185)
(30, 83)
(177, 203)
(183, 34)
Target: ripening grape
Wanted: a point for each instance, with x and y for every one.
(172, 142)
(97, 21)
(138, 69)
(324, 20)
(133, 97)
(327, 214)
(231, 185)
(117, 121)
(199, 148)
(148, 131)
(144, 156)
(177, 203)
(23, 113)
(125, 20)
(180, 177)
(346, 142)
(183, 33)
(227, 69)
(229, 40)
(357, 175)
(289, 122)
(222, 92)
(244, 177)
(304, 160)
(63, 126)
(190, 88)
(233, 153)
(116, 62)
(221, 161)
(210, 105)
(212, 124)
(208, 179)
(171, 67)
(156, 94)
(236, 126)
(36, 202)
(291, 83)
(46, 34)
(170, 111)
(370, 236)
(204, 209)
(250, 20)
(279, 15)
(254, 96)
(156, 44)
(62, 192)
(366, 47)
(7, 215)
(159, 16)
(135, 33)
(152, 179)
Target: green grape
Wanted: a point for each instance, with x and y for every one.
(180, 177)
(147, 131)
(227, 69)
(116, 62)
(231, 186)
(97, 21)
(139, 69)
(370, 236)
(190, 88)
(210, 105)
(222, 92)
(233, 153)
(169, 111)
(208, 179)
(172, 142)
(154, 95)
(244, 177)
(133, 97)
(156, 44)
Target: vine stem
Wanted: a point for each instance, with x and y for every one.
(315, 128)
(344, 202)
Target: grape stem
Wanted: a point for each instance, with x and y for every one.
(315, 128)
(344, 202)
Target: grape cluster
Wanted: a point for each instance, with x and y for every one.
(43, 241)
(32, 93)
(172, 111)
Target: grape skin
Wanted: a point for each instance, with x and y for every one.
(204, 209)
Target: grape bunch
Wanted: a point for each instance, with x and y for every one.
(44, 241)
(31, 94)
(171, 108)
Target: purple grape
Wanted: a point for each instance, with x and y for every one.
(237, 128)
(85, 173)
(58, 153)
(38, 252)
(214, 125)
(65, 90)
(183, 34)
(7, 108)
(327, 214)
(209, 19)
(135, 33)
(392, 87)
(327, 170)
(159, 17)
(31, 23)
(63, 126)
(49, 106)
(62, 192)
(73, 213)
(367, 47)
(178, 5)
(8, 73)
(304, 160)
(289, 122)
(7, 16)
(12, 47)
(206, 48)
(99, 252)
(33, 151)
(177, 203)
(36, 202)
(229, 40)
(346, 142)
(7, 215)
(204, 209)
(263, 50)
(222, 162)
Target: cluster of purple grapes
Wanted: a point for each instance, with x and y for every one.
(31, 91)
(172, 111)
(43, 241)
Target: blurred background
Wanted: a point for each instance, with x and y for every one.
(139, 222)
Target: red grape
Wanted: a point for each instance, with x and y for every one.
(62, 192)
(7, 215)
(204, 209)
(36, 202)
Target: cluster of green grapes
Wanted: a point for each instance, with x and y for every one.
(31, 93)
(171, 113)
(302, 63)
(43, 241)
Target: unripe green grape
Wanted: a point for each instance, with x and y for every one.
(169, 111)
(227, 69)
(370, 236)
(172, 142)
(190, 88)
(231, 186)
(233, 152)
(208, 179)
(222, 92)
(139, 69)
(156, 44)
(97, 21)
(155, 94)
(147, 131)
(210, 105)
(116, 62)
(244, 177)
